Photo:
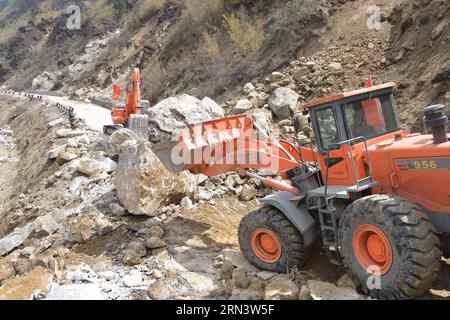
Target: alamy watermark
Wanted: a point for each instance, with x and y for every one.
(374, 280)
(74, 20)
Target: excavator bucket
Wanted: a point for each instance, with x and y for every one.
(138, 123)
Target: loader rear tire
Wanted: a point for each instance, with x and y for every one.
(270, 241)
(400, 240)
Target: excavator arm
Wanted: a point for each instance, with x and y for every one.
(132, 116)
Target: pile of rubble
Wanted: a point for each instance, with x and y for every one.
(340, 67)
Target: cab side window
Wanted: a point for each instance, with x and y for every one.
(328, 131)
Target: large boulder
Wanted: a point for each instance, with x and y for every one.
(282, 102)
(175, 113)
(45, 81)
(281, 288)
(117, 139)
(328, 291)
(143, 184)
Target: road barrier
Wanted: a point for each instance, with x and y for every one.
(61, 108)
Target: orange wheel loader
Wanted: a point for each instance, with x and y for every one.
(376, 196)
(133, 114)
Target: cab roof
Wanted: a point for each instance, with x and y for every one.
(343, 95)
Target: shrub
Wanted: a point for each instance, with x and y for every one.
(210, 45)
(247, 37)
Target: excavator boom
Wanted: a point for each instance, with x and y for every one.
(131, 115)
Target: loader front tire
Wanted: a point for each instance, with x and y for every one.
(390, 247)
(270, 241)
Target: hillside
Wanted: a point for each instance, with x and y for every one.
(171, 41)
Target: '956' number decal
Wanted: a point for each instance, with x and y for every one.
(424, 164)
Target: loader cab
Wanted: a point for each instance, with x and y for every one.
(346, 124)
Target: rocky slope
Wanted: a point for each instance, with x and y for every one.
(67, 226)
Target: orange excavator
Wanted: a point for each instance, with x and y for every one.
(376, 196)
(133, 114)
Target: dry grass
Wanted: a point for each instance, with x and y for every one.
(6, 33)
(210, 45)
(145, 7)
(247, 37)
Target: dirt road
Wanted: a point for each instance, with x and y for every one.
(95, 116)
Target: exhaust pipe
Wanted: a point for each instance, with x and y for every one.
(437, 121)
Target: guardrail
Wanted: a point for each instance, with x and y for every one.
(66, 110)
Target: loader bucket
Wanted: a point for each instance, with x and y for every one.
(164, 151)
(211, 138)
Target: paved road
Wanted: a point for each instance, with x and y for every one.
(95, 116)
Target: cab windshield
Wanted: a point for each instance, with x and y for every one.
(370, 118)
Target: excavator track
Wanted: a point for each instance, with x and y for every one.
(138, 123)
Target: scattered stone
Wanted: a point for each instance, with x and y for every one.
(266, 275)
(65, 157)
(281, 102)
(327, 291)
(232, 181)
(346, 281)
(23, 287)
(87, 291)
(154, 243)
(138, 247)
(44, 226)
(305, 293)
(15, 238)
(96, 178)
(203, 194)
(281, 288)
(237, 259)
(108, 164)
(103, 226)
(335, 66)
(186, 203)
(53, 154)
(249, 294)
(226, 271)
(158, 291)
(248, 88)
(248, 193)
(116, 209)
(240, 276)
(131, 258)
(274, 77)
(156, 231)
(242, 106)
(81, 229)
(90, 167)
(133, 279)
